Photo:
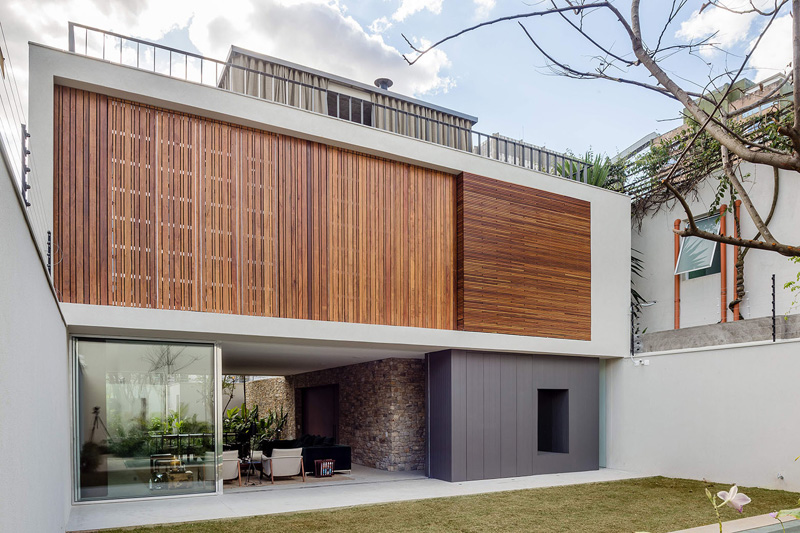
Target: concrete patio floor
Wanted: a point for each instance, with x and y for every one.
(368, 486)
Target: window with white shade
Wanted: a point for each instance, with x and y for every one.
(699, 257)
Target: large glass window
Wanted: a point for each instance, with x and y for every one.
(145, 419)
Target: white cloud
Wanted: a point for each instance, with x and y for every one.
(730, 28)
(774, 52)
(483, 7)
(409, 7)
(380, 25)
(316, 33)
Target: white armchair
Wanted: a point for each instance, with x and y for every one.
(283, 463)
(231, 467)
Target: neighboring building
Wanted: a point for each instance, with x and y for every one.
(434, 308)
(692, 282)
(707, 395)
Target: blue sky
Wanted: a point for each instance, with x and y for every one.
(494, 73)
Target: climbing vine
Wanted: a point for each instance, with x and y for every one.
(644, 173)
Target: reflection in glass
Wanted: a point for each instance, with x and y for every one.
(697, 253)
(145, 419)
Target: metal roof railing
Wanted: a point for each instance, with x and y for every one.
(188, 66)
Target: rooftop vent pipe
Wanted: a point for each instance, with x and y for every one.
(383, 83)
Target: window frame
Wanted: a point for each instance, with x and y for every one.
(75, 442)
(684, 240)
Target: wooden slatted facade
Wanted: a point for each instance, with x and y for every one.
(523, 260)
(165, 210)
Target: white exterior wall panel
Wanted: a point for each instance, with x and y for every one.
(34, 380)
(725, 414)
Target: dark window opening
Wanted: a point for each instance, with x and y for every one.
(350, 108)
(320, 411)
(553, 420)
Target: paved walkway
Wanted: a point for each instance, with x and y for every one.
(742, 524)
(367, 487)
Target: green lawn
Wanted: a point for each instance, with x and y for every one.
(653, 504)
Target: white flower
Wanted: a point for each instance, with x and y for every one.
(733, 499)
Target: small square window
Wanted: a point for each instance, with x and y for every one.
(698, 254)
(553, 422)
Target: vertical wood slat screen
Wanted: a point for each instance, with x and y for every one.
(165, 210)
(385, 250)
(523, 260)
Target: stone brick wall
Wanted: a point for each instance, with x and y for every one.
(272, 393)
(381, 410)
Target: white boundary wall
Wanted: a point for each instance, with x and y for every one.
(35, 495)
(726, 414)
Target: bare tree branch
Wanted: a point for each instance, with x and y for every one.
(673, 12)
(748, 142)
(796, 67)
(789, 162)
(783, 249)
(753, 8)
(591, 40)
(633, 29)
(727, 165)
(575, 8)
(713, 123)
(569, 71)
(739, 266)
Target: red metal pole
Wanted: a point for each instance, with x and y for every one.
(677, 277)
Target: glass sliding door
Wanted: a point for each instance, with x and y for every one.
(146, 419)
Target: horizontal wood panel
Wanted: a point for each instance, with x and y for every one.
(159, 209)
(523, 260)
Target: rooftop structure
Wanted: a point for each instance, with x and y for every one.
(280, 81)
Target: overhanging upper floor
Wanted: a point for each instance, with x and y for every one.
(182, 197)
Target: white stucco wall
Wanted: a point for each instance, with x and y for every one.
(700, 297)
(609, 210)
(35, 493)
(727, 415)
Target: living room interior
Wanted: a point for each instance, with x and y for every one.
(355, 413)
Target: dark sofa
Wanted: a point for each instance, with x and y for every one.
(314, 447)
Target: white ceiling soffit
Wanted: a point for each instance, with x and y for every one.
(274, 359)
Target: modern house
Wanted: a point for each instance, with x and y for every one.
(434, 298)
(438, 297)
